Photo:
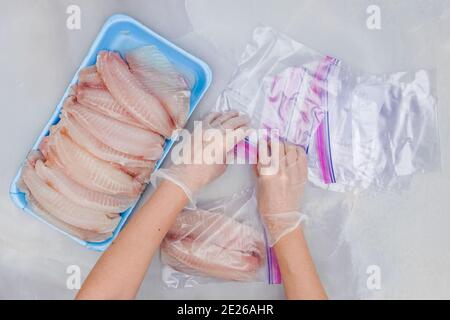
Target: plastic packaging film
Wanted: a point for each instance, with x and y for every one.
(381, 132)
(361, 131)
(221, 240)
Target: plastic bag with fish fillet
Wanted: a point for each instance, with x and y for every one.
(361, 131)
(221, 240)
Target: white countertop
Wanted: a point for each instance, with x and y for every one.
(406, 235)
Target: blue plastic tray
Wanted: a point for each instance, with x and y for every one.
(122, 33)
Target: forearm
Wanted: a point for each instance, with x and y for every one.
(121, 269)
(298, 272)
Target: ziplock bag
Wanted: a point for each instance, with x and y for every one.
(361, 131)
(221, 240)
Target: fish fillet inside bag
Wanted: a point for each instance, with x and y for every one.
(222, 240)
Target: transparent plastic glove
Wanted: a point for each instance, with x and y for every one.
(204, 165)
(279, 191)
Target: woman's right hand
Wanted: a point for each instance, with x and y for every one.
(280, 189)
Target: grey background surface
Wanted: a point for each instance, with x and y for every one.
(406, 234)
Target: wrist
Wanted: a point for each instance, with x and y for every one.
(279, 225)
(172, 191)
(284, 248)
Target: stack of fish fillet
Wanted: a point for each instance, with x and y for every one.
(95, 162)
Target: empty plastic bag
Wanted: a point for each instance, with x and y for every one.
(361, 131)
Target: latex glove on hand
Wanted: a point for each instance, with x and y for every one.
(280, 189)
(202, 164)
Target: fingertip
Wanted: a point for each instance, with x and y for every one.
(209, 118)
(301, 153)
(291, 153)
(282, 148)
(226, 116)
(302, 160)
(256, 169)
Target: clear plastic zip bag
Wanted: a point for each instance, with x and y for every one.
(281, 84)
(379, 134)
(361, 131)
(221, 240)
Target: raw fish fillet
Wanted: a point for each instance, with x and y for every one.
(211, 260)
(89, 171)
(131, 94)
(102, 101)
(90, 77)
(86, 140)
(212, 227)
(159, 77)
(44, 147)
(58, 180)
(77, 232)
(214, 244)
(116, 134)
(64, 209)
(140, 174)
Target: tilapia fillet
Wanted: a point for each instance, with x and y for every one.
(155, 72)
(100, 100)
(116, 134)
(211, 260)
(141, 174)
(214, 227)
(90, 77)
(131, 94)
(213, 244)
(64, 209)
(55, 177)
(82, 234)
(89, 171)
(100, 150)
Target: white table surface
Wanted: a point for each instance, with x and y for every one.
(405, 234)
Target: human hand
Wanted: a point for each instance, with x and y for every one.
(279, 191)
(205, 160)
